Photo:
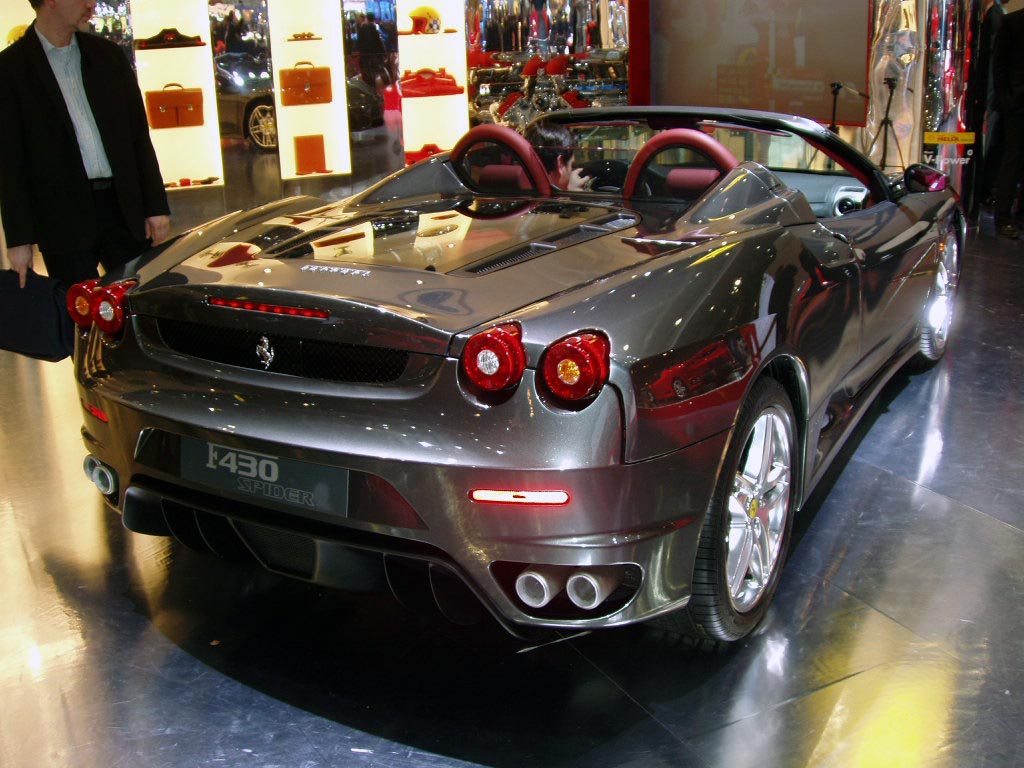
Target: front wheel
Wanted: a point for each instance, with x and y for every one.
(261, 127)
(937, 315)
(747, 526)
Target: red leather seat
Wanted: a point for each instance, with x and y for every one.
(504, 178)
(689, 182)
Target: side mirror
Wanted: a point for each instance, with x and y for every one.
(925, 178)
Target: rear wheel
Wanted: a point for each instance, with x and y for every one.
(937, 315)
(747, 527)
(261, 126)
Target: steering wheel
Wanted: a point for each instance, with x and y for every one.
(606, 175)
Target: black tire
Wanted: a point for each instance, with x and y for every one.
(753, 505)
(937, 313)
(261, 126)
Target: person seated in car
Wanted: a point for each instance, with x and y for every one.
(554, 145)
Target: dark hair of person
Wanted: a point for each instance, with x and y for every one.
(551, 142)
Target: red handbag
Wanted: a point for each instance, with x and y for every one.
(429, 82)
(174, 107)
(305, 84)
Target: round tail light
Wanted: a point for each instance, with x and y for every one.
(495, 359)
(80, 302)
(576, 367)
(109, 307)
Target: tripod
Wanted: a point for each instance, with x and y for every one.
(886, 127)
(836, 88)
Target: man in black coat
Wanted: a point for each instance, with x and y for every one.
(1008, 77)
(78, 173)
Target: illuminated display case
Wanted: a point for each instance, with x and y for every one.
(174, 63)
(432, 56)
(307, 48)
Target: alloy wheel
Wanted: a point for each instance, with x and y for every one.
(758, 508)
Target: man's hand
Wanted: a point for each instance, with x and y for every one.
(578, 181)
(158, 228)
(21, 261)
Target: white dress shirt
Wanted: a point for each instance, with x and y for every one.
(66, 64)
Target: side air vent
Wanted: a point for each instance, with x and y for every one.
(616, 222)
(582, 233)
(578, 235)
(509, 258)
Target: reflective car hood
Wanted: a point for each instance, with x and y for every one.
(443, 268)
(427, 271)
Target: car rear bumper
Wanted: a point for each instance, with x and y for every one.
(396, 497)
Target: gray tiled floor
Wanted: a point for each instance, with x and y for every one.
(895, 638)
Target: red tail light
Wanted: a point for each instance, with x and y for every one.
(576, 367)
(109, 307)
(495, 359)
(80, 302)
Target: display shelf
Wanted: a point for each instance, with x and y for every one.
(307, 48)
(437, 47)
(178, 88)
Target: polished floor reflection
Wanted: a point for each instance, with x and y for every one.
(896, 637)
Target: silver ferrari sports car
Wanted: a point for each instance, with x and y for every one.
(575, 409)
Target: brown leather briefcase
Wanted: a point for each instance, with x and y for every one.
(174, 107)
(310, 155)
(306, 84)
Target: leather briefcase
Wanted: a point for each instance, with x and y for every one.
(174, 107)
(34, 320)
(310, 155)
(305, 84)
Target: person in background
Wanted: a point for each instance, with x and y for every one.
(554, 145)
(987, 120)
(1008, 77)
(372, 52)
(78, 173)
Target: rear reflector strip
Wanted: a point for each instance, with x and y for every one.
(494, 496)
(92, 409)
(273, 309)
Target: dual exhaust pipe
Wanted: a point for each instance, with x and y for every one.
(102, 476)
(587, 587)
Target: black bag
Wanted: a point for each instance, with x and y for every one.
(34, 320)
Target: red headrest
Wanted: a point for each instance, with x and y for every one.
(678, 137)
(514, 143)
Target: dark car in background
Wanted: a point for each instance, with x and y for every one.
(245, 100)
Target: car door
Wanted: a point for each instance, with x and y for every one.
(891, 240)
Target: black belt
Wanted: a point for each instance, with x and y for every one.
(98, 185)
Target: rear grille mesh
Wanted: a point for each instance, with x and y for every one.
(283, 551)
(293, 356)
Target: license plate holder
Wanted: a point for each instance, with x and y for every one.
(265, 477)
